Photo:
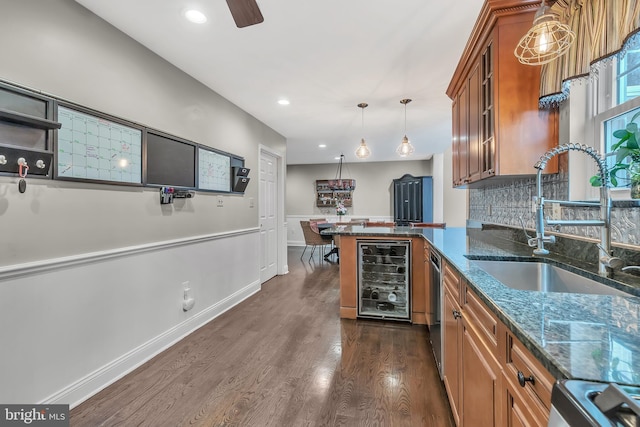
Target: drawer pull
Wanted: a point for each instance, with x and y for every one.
(456, 314)
(522, 380)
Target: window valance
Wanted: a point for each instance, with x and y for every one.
(602, 28)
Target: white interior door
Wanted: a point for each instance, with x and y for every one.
(268, 208)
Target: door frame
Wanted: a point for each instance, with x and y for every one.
(281, 226)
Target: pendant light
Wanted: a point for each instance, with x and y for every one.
(363, 151)
(405, 148)
(546, 40)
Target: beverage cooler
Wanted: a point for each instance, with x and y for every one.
(383, 279)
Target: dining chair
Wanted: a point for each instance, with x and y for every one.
(428, 225)
(313, 239)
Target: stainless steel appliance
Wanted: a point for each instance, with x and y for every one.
(383, 279)
(435, 331)
(585, 403)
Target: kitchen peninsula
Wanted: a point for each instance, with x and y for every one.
(514, 342)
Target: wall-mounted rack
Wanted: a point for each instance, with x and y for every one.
(28, 120)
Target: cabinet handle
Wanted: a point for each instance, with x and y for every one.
(456, 314)
(522, 380)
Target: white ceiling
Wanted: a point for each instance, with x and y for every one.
(324, 56)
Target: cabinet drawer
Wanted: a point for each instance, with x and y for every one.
(522, 411)
(483, 320)
(520, 362)
(451, 281)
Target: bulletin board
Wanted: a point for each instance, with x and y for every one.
(98, 148)
(214, 170)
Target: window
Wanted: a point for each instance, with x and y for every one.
(610, 125)
(616, 98)
(628, 75)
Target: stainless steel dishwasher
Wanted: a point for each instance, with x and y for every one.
(435, 330)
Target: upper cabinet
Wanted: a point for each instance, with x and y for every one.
(498, 130)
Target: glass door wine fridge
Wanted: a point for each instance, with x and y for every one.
(383, 279)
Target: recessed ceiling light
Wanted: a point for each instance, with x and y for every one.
(322, 145)
(283, 102)
(195, 16)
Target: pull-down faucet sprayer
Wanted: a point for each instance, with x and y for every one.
(605, 260)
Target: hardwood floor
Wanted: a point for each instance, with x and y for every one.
(282, 358)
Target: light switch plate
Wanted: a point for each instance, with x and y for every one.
(556, 211)
(220, 202)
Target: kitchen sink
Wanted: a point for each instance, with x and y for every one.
(543, 277)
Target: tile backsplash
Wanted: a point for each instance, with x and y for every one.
(506, 203)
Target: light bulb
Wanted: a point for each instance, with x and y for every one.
(405, 149)
(363, 151)
(543, 43)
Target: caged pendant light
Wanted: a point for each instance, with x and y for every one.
(546, 40)
(405, 148)
(363, 151)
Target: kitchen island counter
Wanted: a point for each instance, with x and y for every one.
(579, 336)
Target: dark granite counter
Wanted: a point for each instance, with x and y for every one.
(580, 336)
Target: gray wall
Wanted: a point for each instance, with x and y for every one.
(60, 48)
(374, 185)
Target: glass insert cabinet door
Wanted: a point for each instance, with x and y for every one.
(383, 279)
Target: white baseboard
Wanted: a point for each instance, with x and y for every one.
(86, 387)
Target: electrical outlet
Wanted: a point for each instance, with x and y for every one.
(220, 202)
(556, 211)
(488, 210)
(187, 298)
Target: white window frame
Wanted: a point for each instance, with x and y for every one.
(604, 98)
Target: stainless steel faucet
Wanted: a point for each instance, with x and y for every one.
(605, 260)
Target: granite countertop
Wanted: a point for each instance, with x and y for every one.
(578, 336)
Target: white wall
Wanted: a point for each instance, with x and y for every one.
(73, 325)
(374, 185)
(455, 201)
(372, 198)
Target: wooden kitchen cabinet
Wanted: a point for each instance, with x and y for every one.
(349, 276)
(529, 399)
(498, 130)
(482, 390)
(452, 340)
(519, 411)
(481, 364)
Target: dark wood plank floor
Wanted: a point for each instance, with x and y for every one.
(282, 358)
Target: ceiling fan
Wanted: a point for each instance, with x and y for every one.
(245, 12)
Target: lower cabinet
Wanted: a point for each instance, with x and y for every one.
(482, 379)
(451, 360)
(485, 365)
(528, 384)
(519, 411)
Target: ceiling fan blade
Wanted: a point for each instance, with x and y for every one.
(245, 12)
